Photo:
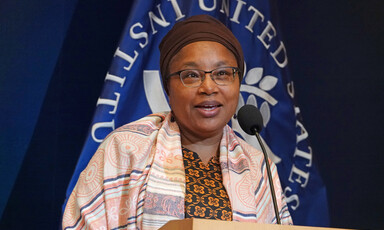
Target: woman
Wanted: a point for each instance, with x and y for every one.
(183, 163)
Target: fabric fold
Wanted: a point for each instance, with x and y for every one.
(136, 180)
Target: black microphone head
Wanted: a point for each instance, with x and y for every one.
(250, 119)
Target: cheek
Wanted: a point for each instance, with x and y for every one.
(171, 99)
(177, 96)
(172, 93)
(234, 101)
(233, 95)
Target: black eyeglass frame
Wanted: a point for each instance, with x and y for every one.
(234, 69)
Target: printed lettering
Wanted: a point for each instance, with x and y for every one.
(126, 57)
(266, 33)
(177, 10)
(254, 18)
(99, 125)
(161, 21)
(205, 8)
(283, 63)
(139, 35)
(300, 175)
(114, 103)
(116, 79)
(236, 14)
(291, 198)
(291, 89)
(303, 132)
(305, 155)
(225, 7)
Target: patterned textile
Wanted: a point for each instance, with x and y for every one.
(205, 195)
(136, 180)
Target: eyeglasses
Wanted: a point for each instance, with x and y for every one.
(195, 77)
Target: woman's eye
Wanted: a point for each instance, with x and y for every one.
(191, 75)
(223, 72)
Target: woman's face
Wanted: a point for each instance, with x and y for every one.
(203, 111)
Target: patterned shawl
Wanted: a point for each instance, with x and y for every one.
(136, 180)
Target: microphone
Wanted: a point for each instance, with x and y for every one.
(251, 121)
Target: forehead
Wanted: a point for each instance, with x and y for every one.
(201, 54)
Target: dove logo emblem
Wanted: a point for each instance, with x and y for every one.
(257, 85)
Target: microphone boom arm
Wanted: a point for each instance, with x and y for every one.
(270, 181)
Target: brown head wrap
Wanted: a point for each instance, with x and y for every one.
(193, 29)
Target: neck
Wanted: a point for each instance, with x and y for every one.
(205, 147)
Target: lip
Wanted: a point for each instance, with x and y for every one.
(208, 109)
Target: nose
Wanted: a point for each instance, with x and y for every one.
(208, 86)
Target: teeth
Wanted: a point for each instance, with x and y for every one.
(209, 107)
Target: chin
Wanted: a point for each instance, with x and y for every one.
(211, 128)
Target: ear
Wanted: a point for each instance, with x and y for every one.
(172, 117)
(168, 97)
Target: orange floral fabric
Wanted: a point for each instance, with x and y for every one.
(205, 195)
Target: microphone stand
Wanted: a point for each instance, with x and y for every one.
(269, 176)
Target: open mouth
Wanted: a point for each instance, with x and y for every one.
(208, 107)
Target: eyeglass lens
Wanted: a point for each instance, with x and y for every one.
(194, 78)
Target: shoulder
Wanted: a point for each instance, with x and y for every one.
(238, 142)
(143, 127)
(132, 138)
(241, 149)
(129, 146)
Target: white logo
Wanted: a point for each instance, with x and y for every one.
(257, 85)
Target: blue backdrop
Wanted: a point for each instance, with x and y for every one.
(54, 57)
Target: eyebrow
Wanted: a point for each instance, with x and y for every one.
(190, 64)
(193, 64)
